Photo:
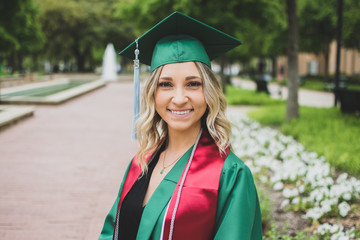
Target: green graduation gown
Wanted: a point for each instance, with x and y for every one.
(237, 214)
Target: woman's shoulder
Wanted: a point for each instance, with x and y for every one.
(233, 164)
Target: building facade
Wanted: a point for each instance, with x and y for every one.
(311, 64)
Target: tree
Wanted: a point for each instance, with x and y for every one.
(292, 106)
(68, 30)
(81, 29)
(8, 10)
(252, 21)
(318, 28)
(351, 19)
(20, 30)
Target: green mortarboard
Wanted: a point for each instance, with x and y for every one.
(180, 38)
(177, 38)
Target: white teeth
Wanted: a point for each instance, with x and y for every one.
(181, 112)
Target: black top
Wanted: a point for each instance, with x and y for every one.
(132, 205)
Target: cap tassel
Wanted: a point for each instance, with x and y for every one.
(136, 90)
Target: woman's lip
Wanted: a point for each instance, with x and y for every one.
(180, 113)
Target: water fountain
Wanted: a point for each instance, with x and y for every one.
(109, 64)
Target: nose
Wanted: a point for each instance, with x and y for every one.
(179, 97)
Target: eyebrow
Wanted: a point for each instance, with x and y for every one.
(188, 78)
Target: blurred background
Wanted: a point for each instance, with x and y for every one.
(297, 72)
(50, 36)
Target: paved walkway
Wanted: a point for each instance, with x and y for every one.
(60, 170)
(305, 97)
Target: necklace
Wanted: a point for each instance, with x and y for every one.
(163, 165)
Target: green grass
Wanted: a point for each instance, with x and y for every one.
(44, 91)
(277, 232)
(313, 85)
(238, 96)
(266, 205)
(325, 131)
(319, 86)
(354, 87)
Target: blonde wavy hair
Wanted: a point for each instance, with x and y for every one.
(151, 129)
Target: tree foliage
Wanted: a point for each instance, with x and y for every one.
(318, 28)
(255, 22)
(78, 30)
(82, 29)
(20, 31)
(351, 18)
(317, 25)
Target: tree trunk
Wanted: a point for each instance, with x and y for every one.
(222, 73)
(20, 59)
(80, 58)
(80, 61)
(292, 106)
(338, 48)
(274, 66)
(35, 59)
(11, 62)
(326, 50)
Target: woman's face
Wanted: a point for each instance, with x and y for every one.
(179, 97)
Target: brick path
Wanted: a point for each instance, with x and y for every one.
(60, 170)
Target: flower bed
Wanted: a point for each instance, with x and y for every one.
(308, 184)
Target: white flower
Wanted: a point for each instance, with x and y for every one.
(295, 200)
(314, 213)
(288, 193)
(342, 177)
(336, 228)
(301, 189)
(325, 208)
(336, 231)
(347, 196)
(278, 186)
(322, 229)
(344, 208)
(264, 179)
(339, 236)
(350, 232)
(284, 203)
(329, 202)
(317, 194)
(287, 160)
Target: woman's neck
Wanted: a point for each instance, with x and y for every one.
(180, 141)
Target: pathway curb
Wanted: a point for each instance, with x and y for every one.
(12, 114)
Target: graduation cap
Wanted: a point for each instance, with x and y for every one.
(177, 38)
(180, 38)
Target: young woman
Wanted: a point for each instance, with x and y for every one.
(184, 182)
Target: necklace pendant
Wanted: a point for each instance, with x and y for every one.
(162, 170)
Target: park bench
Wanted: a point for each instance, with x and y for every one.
(343, 82)
(349, 100)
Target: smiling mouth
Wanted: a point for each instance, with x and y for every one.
(180, 112)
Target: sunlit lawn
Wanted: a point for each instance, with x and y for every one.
(238, 96)
(324, 130)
